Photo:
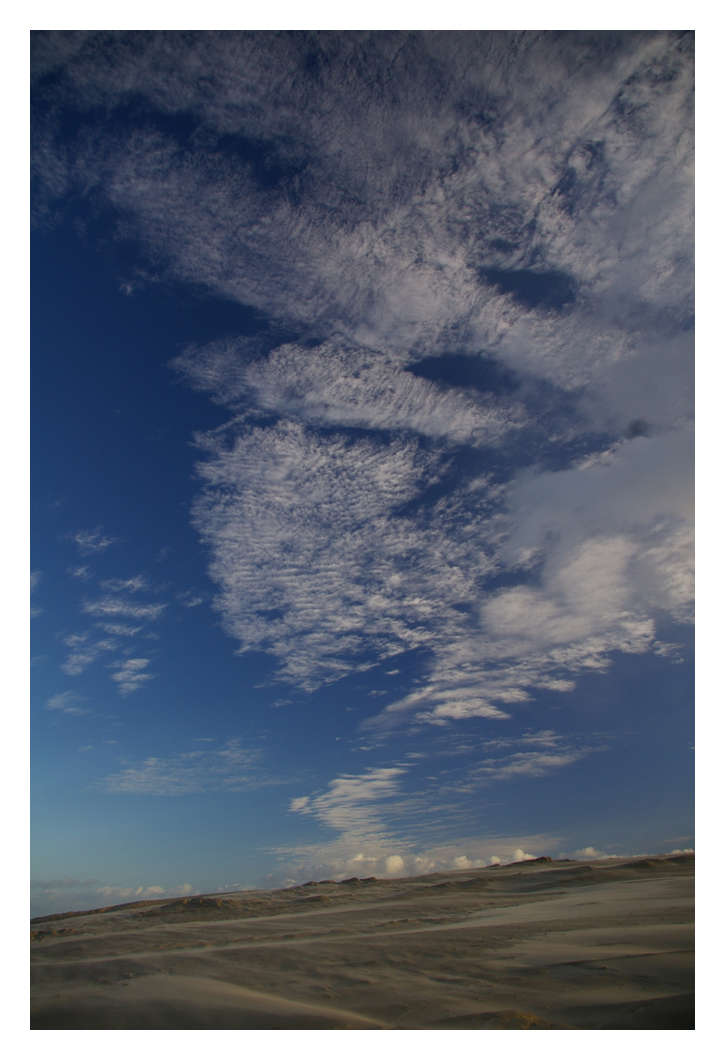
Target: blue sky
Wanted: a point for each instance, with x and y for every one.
(362, 455)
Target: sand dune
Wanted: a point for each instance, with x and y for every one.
(539, 945)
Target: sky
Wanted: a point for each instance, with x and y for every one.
(362, 455)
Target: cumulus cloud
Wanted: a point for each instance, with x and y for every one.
(317, 563)
(371, 813)
(232, 768)
(632, 510)
(388, 858)
(460, 861)
(588, 852)
(394, 864)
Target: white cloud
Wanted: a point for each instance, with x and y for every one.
(80, 572)
(394, 865)
(115, 604)
(403, 216)
(60, 884)
(344, 386)
(399, 204)
(386, 857)
(36, 577)
(352, 804)
(189, 599)
(639, 500)
(462, 862)
(318, 560)
(615, 544)
(118, 629)
(589, 852)
(129, 585)
(112, 607)
(91, 541)
(232, 768)
(67, 703)
(79, 661)
(68, 894)
(130, 675)
(528, 764)
(372, 813)
(315, 561)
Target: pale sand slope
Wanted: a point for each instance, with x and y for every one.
(539, 945)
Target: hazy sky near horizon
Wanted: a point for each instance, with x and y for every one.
(362, 454)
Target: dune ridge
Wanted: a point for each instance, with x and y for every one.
(537, 945)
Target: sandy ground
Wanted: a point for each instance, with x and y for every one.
(534, 946)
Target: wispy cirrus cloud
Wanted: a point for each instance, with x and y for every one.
(112, 607)
(67, 703)
(521, 203)
(528, 764)
(89, 542)
(118, 629)
(316, 560)
(352, 804)
(131, 674)
(405, 216)
(332, 385)
(36, 577)
(117, 603)
(128, 585)
(80, 572)
(86, 652)
(372, 811)
(233, 767)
